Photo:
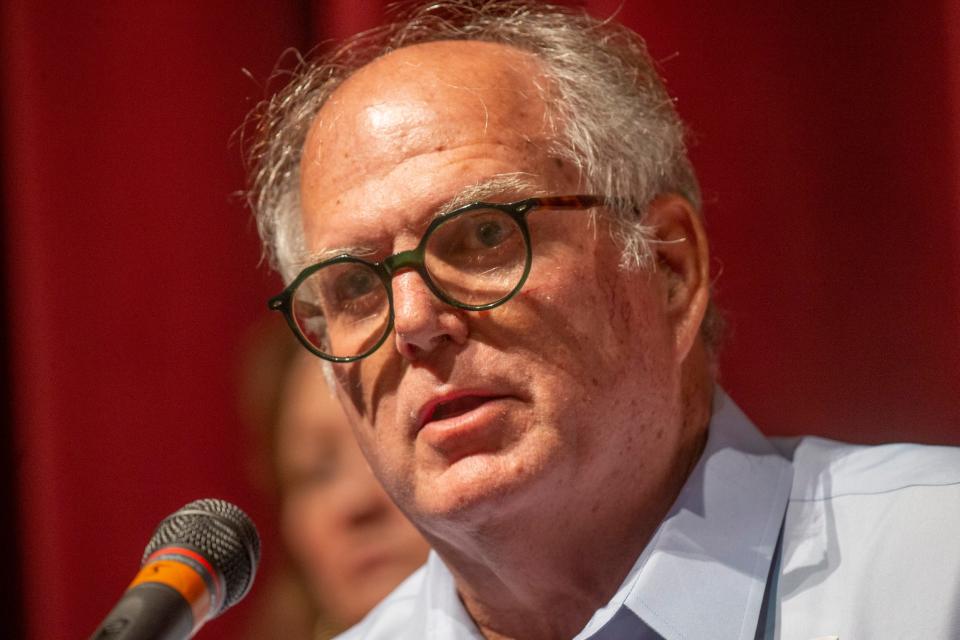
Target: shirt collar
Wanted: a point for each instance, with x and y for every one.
(446, 617)
(705, 570)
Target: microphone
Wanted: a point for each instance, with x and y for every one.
(200, 562)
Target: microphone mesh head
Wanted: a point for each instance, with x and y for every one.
(221, 533)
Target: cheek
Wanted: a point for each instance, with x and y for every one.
(385, 451)
(308, 537)
(367, 388)
(356, 386)
(597, 325)
(571, 313)
(350, 388)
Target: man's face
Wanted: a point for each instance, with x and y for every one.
(567, 392)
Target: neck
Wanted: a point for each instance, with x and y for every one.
(545, 575)
(541, 581)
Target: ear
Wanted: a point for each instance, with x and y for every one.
(682, 258)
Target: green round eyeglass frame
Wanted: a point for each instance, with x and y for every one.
(414, 259)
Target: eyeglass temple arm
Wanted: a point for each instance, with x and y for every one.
(579, 202)
(568, 202)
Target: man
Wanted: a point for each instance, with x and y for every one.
(489, 226)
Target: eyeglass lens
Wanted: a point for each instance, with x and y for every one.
(475, 258)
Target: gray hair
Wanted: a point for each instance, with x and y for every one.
(613, 119)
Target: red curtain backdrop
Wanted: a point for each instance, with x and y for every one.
(827, 140)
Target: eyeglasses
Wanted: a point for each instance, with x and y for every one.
(474, 258)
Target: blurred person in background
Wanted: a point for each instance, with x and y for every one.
(347, 545)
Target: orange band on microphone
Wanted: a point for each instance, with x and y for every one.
(183, 579)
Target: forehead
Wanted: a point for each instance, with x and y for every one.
(419, 123)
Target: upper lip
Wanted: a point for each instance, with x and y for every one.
(427, 411)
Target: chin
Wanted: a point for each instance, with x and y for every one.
(476, 488)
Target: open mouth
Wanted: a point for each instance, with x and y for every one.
(454, 407)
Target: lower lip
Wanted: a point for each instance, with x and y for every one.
(467, 433)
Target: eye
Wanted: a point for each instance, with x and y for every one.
(486, 230)
(491, 233)
(484, 241)
(355, 283)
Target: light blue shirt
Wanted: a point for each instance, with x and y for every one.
(862, 542)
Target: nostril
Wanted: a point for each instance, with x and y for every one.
(406, 348)
(414, 346)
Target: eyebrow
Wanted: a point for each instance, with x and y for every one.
(495, 187)
(512, 185)
(315, 257)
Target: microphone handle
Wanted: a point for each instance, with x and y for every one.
(148, 611)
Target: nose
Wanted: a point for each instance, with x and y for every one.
(421, 320)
